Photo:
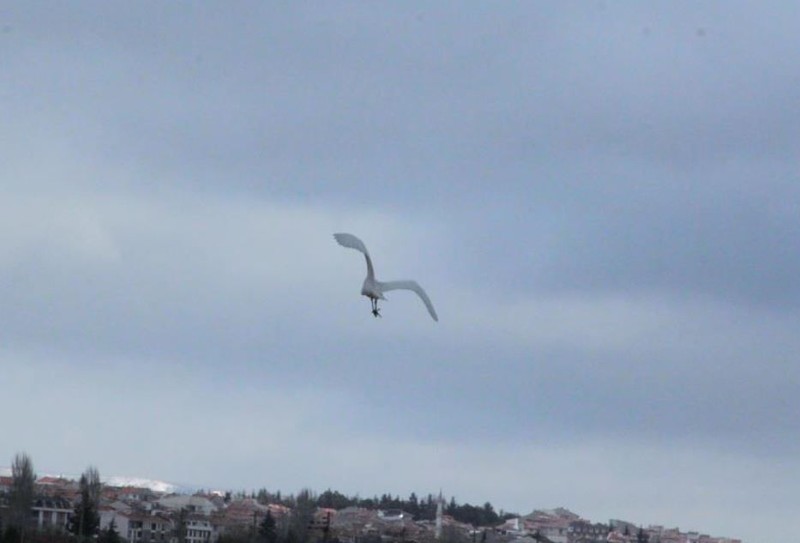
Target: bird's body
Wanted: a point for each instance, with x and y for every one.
(374, 289)
(370, 289)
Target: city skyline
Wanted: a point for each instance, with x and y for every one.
(141, 499)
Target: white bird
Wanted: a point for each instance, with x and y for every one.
(374, 289)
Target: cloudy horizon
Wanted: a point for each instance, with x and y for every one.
(601, 200)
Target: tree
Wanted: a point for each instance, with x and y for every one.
(86, 519)
(334, 500)
(10, 535)
(267, 531)
(263, 496)
(180, 526)
(489, 516)
(21, 498)
(110, 534)
(413, 505)
(473, 514)
(305, 505)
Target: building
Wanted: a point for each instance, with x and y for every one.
(581, 531)
(133, 494)
(552, 523)
(199, 529)
(136, 524)
(52, 514)
(5, 484)
(191, 504)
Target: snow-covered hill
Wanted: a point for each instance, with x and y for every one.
(118, 480)
(156, 486)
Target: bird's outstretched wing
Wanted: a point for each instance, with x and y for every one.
(413, 286)
(352, 242)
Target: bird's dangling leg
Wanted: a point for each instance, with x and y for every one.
(375, 311)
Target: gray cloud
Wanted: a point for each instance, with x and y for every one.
(600, 199)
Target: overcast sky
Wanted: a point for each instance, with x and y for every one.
(601, 199)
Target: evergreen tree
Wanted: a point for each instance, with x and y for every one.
(489, 516)
(413, 505)
(263, 497)
(451, 506)
(86, 519)
(180, 526)
(292, 537)
(267, 531)
(110, 534)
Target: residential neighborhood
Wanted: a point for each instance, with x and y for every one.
(142, 515)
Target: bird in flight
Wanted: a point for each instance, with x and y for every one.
(374, 289)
